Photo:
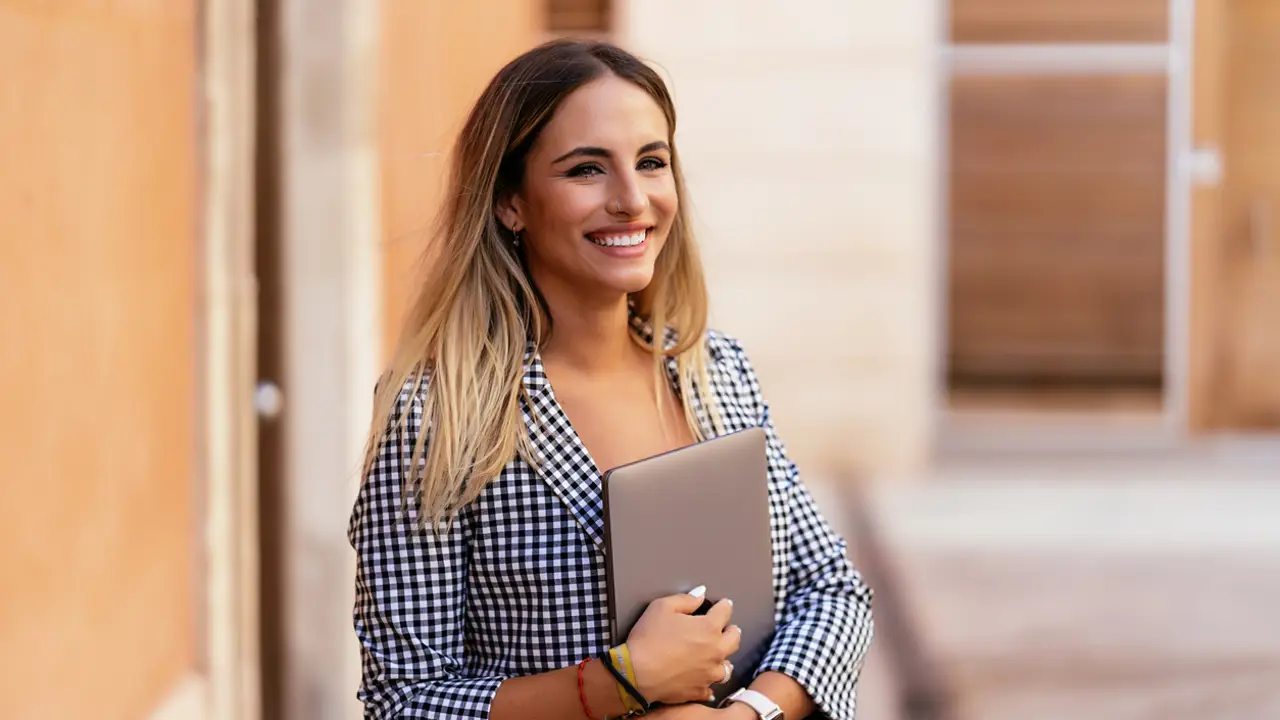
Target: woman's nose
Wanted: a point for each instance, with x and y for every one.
(630, 199)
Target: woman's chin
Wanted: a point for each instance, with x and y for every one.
(629, 283)
(621, 279)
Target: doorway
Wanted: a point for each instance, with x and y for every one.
(1064, 222)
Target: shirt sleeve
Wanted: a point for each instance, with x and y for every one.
(826, 624)
(410, 596)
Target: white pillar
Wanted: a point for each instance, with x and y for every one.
(228, 472)
(330, 279)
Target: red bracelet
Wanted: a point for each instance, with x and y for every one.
(582, 691)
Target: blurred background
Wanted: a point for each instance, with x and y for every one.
(1009, 270)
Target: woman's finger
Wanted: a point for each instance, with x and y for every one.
(720, 613)
(731, 640)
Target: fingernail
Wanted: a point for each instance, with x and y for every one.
(729, 601)
(699, 591)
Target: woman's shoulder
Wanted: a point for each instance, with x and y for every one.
(721, 345)
(406, 408)
(727, 358)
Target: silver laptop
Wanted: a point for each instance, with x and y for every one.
(694, 516)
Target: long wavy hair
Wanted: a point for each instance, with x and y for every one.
(467, 332)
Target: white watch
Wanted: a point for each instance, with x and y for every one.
(764, 707)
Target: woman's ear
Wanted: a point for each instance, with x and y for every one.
(507, 210)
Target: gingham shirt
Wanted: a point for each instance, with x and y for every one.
(517, 586)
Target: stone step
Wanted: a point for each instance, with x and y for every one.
(1115, 594)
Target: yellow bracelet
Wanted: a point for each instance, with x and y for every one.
(621, 657)
(630, 670)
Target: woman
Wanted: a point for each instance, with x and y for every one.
(527, 366)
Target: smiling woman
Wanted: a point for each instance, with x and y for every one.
(563, 332)
(604, 166)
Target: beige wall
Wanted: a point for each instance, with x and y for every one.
(436, 58)
(97, 246)
(809, 131)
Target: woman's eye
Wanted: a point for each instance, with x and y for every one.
(585, 170)
(651, 164)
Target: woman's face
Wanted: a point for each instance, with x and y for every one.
(598, 196)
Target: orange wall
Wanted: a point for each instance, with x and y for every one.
(97, 358)
(437, 56)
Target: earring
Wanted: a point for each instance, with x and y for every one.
(515, 237)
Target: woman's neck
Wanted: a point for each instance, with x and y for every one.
(590, 337)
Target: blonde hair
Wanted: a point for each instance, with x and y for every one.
(467, 331)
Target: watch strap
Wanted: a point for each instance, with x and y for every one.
(764, 707)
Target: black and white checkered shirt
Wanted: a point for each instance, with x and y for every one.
(517, 586)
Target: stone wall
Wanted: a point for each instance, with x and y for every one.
(809, 133)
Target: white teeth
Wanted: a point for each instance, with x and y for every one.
(620, 240)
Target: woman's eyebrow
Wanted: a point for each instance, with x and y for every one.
(599, 152)
(655, 145)
(584, 151)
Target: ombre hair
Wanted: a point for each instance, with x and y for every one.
(464, 343)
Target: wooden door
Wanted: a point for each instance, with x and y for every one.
(1057, 195)
(1236, 218)
(1057, 230)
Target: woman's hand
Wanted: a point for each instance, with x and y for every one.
(678, 656)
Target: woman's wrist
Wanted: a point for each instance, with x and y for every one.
(602, 691)
(624, 672)
(738, 711)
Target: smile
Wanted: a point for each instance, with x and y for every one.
(619, 240)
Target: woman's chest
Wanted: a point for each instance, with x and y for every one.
(526, 543)
(621, 423)
(536, 584)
